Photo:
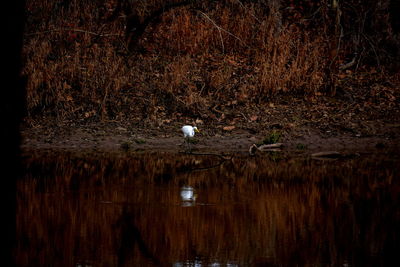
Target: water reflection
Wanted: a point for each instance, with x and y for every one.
(198, 263)
(131, 210)
(188, 196)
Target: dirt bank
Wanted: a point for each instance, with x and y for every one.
(354, 125)
(112, 137)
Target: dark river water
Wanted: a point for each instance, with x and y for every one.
(166, 209)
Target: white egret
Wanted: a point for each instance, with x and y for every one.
(188, 132)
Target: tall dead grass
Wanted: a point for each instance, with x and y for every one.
(291, 62)
(78, 65)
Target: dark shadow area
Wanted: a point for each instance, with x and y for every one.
(129, 236)
(11, 110)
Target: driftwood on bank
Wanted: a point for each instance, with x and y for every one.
(266, 148)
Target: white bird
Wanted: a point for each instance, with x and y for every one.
(188, 132)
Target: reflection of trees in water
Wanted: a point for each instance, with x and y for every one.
(128, 210)
(129, 236)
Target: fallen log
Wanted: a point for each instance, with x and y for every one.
(265, 148)
(269, 146)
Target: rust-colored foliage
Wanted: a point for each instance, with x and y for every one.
(86, 60)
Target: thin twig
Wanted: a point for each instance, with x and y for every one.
(349, 64)
(339, 42)
(71, 30)
(373, 48)
(220, 28)
(254, 16)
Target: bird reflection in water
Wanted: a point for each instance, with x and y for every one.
(188, 196)
(199, 263)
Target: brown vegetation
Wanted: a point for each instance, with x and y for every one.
(176, 60)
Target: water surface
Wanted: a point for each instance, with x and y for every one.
(165, 209)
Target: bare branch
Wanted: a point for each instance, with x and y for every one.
(254, 16)
(71, 30)
(349, 64)
(220, 28)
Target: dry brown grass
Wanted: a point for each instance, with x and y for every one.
(78, 65)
